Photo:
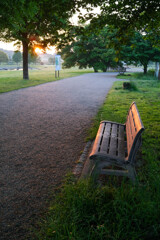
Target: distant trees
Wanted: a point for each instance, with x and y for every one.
(17, 57)
(51, 60)
(33, 58)
(140, 51)
(104, 49)
(3, 57)
(91, 51)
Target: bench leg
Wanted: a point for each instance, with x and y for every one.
(132, 174)
(96, 170)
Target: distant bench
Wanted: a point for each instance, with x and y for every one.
(116, 145)
(121, 70)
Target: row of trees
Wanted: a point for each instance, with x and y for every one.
(90, 51)
(3, 57)
(17, 58)
(43, 22)
(96, 50)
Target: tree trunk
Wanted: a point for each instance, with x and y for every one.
(156, 69)
(25, 60)
(145, 69)
(95, 70)
(159, 72)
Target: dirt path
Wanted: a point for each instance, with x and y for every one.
(42, 132)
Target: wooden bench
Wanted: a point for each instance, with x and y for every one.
(116, 146)
(121, 70)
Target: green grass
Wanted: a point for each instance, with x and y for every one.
(83, 211)
(139, 76)
(12, 80)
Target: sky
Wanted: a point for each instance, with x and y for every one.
(10, 46)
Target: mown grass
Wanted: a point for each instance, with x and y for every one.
(13, 80)
(83, 211)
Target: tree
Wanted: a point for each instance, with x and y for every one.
(3, 57)
(127, 15)
(90, 51)
(140, 51)
(51, 60)
(33, 58)
(33, 22)
(17, 57)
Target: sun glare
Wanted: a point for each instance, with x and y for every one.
(51, 50)
(38, 50)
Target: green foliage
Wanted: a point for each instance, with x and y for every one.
(128, 15)
(140, 76)
(130, 86)
(85, 211)
(51, 60)
(33, 58)
(140, 51)
(3, 57)
(17, 57)
(32, 23)
(90, 51)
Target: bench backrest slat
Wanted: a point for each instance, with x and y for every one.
(134, 128)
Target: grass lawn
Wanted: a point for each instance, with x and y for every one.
(83, 211)
(12, 80)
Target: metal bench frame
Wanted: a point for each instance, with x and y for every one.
(116, 145)
(121, 70)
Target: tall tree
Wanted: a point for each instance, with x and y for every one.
(51, 60)
(17, 57)
(3, 57)
(140, 51)
(33, 58)
(32, 22)
(91, 51)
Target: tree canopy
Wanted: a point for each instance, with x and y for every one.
(33, 58)
(3, 57)
(17, 57)
(39, 23)
(129, 13)
(32, 22)
(91, 51)
(140, 51)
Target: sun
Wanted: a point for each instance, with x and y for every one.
(38, 50)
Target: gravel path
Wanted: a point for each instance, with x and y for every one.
(42, 132)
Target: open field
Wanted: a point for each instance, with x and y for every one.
(12, 80)
(117, 210)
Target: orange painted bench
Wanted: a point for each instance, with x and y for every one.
(116, 146)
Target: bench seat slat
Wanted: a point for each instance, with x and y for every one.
(132, 124)
(137, 119)
(129, 137)
(111, 143)
(106, 135)
(121, 142)
(113, 140)
(97, 142)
